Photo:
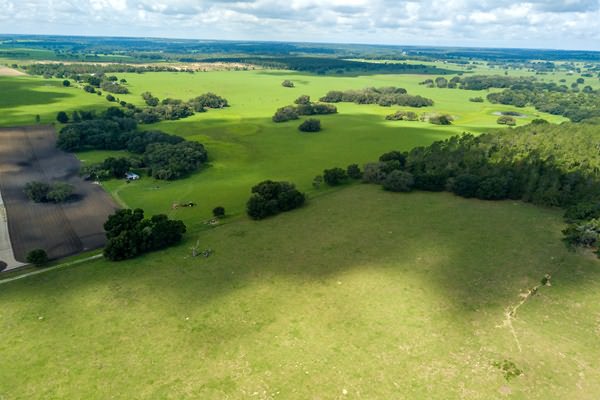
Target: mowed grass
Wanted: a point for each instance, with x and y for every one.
(360, 294)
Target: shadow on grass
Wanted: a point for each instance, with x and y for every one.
(17, 92)
(470, 254)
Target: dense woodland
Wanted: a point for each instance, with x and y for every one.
(164, 156)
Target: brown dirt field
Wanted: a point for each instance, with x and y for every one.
(30, 154)
(5, 71)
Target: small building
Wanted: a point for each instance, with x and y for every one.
(131, 176)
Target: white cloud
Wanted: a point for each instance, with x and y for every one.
(532, 23)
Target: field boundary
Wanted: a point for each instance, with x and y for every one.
(54, 268)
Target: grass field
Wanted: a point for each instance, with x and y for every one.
(244, 145)
(363, 292)
(359, 294)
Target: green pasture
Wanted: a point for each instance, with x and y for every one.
(360, 294)
(244, 145)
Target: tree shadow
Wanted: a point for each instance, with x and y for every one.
(17, 92)
(468, 253)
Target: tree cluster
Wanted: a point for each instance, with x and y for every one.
(310, 125)
(403, 116)
(271, 198)
(303, 106)
(384, 96)
(129, 234)
(112, 167)
(506, 120)
(41, 192)
(164, 156)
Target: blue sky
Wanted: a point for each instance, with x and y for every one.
(570, 24)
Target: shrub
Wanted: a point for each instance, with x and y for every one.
(506, 120)
(219, 212)
(403, 116)
(334, 176)
(62, 117)
(286, 113)
(394, 155)
(59, 192)
(304, 99)
(317, 181)
(110, 98)
(310, 125)
(441, 119)
(476, 99)
(465, 185)
(37, 257)
(66, 83)
(287, 83)
(37, 191)
(353, 171)
(208, 100)
(398, 181)
(374, 172)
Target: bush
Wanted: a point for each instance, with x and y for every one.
(304, 99)
(506, 120)
(476, 99)
(317, 181)
(37, 257)
(60, 192)
(287, 83)
(41, 192)
(398, 181)
(353, 171)
(403, 116)
(394, 155)
(334, 176)
(270, 198)
(110, 98)
(374, 173)
(218, 212)
(286, 113)
(62, 117)
(442, 119)
(208, 100)
(37, 191)
(66, 83)
(465, 185)
(310, 125)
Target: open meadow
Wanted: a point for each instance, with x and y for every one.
(362, 294)
(243, 144)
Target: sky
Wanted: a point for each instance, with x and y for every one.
(568, 24)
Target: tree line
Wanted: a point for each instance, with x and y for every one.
(575, 102)
(541, 163)
(383, 96)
